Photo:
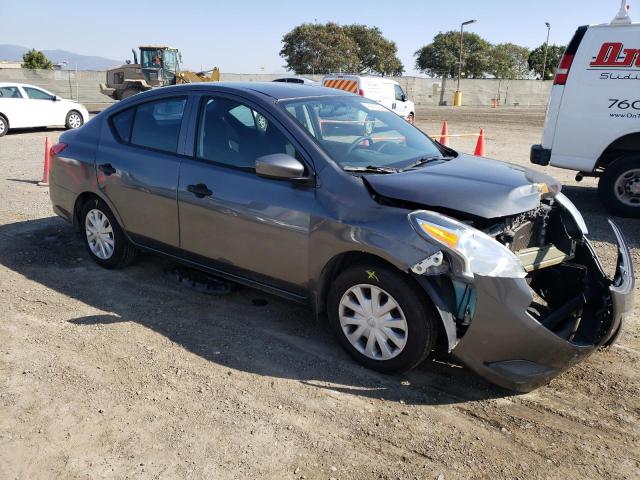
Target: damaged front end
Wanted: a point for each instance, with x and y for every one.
(530, 297)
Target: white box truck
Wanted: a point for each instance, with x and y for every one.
(593, 117)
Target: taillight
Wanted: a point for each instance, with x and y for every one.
(562, 74)
(57, 149)
(563, 70)
(361, 92)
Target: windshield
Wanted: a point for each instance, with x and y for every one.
(151, 58)
(360, 134)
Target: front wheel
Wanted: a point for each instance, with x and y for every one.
(74, 120)
(411, 119)
(104, 239)
(619, 187)
(382, 318)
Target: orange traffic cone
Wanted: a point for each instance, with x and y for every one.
(480, 145)
(47, 160)
(444, 139)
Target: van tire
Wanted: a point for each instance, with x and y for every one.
(611, 187)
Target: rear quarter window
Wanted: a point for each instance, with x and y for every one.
(122, 123)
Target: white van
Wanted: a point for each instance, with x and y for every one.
(383, 90)
(593, 118)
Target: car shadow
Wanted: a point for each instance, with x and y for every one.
(246, 330)
(595, 215)
(18, 131)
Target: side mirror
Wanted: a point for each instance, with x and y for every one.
(280, 166)
(55, 98)
(404, 97)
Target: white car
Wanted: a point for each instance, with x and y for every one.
(383, 90)
(593, 118)
(27, 106)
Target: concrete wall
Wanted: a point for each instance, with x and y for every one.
(84, 86)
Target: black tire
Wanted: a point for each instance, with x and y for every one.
(4, 126)
(411, 119)
(129, 92)
(123, 252)
(420, 314)
(610, 192)
(74, 120)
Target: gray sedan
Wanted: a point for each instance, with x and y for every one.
(330, 199)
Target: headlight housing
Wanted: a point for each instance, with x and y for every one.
(470, 250)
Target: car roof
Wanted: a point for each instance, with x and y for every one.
(17, 84)
(275, 90)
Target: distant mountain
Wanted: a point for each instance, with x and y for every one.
(13, 53)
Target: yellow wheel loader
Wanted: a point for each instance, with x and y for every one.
(159, 66)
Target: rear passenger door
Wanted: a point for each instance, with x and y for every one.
(232, 219)
(137, 166)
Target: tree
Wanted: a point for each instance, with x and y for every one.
(536, 60)
(315, 48)
(325, 48)
(509, 61)
(35, 59)
(376, 54)
(441, 57)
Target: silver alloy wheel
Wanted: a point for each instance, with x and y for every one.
(627, 187)
(99, 234)
(3, 126)
(75, 120)
(373, 322)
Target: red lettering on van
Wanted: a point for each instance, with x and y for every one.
(613, 54)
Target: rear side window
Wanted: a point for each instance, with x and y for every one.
(10, 92)
(153, 125)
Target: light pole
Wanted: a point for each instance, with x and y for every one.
(457, 96)
(546, 49)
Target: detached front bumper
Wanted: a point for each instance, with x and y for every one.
(509, 347)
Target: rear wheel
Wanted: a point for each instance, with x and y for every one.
(619, 186)
(74, 120)
(382, 319)
(104, 239)
(4, 126)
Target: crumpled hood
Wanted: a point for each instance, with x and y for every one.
(478, 186)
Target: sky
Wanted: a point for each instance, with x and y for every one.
(245, 36)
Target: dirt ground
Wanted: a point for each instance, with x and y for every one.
(126, 374)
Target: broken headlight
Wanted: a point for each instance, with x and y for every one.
(471, 251)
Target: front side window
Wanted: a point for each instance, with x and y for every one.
(10, 92)
(153, 125)
(400, 96)
(235, 134)
(359, 133)
(37, 94)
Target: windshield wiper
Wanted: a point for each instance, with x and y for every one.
(423, 161)
(371, 169)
